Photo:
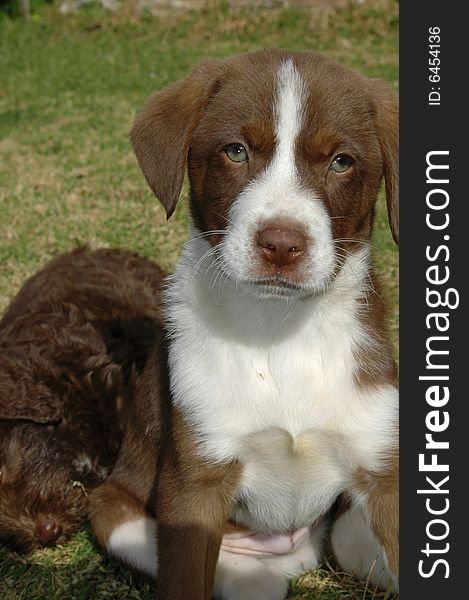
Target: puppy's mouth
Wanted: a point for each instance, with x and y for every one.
(277, 286)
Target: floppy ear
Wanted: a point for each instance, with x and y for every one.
(387, 125)
(162, 132)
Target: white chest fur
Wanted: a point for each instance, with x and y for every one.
(271, 384)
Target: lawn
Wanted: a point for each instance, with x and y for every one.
(69, 90)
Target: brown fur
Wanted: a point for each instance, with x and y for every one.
(158, 471)
(376, 365)
(72, 343)
(382, 493)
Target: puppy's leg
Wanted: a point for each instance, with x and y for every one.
(244, 577)
(378, 495)
(193, 505)
(119, 508)
(357, 550)
(124, 527)
(240, 577)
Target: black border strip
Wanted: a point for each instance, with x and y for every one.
(438, 125)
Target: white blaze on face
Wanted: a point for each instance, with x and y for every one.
(277, 193)
(288, 113)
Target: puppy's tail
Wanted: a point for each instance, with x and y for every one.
(124, 527)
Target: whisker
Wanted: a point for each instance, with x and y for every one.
(203, 234)
(225, 218)
(357, 241)
(373, 247)
(211, 250)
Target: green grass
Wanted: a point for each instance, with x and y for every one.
(69, 89)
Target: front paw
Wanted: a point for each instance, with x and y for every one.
(246, 578)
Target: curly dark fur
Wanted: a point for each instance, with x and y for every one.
(71, 344)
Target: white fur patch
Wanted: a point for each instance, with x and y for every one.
(358, 552)
(134, 543)
(291, 94)
(273, 386)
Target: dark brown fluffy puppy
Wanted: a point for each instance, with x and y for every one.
(72, 343)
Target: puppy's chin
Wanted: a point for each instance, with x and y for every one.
(280, 288)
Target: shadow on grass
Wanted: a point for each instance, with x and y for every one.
(79, 571)
(75, 571)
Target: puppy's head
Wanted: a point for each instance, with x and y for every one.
(46, 472)
(285, 154)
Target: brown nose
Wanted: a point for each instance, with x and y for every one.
(281, 247)
(47, 530)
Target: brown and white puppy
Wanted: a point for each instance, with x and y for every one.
(72, 342)
(282, 384)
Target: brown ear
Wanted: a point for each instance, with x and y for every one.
(387, 125)
(162, 132)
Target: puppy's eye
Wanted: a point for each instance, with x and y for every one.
(237, 153)
(341, 163)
